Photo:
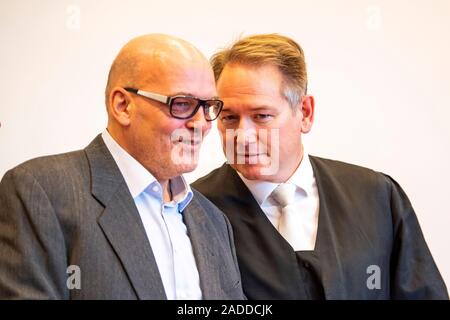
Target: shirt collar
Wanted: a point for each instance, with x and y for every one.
(138, 179)
(181, 192)
(303, 178)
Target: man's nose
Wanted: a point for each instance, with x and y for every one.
(198, 120)
(246, 132)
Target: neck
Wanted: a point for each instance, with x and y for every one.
(166, 189)
(290, 170)
(165, 183)
(288, 174)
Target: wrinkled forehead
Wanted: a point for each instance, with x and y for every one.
(174, 73)
(170, 62)
(159, 62)
(170, 52)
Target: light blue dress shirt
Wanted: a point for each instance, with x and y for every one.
(163, 223)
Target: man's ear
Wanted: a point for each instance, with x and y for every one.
(120, 106)
(307, 110)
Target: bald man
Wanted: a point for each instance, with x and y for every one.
(117, 220)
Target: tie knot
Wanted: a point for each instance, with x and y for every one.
(284, 194)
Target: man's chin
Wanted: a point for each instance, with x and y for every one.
(251, 171)
(186, 168)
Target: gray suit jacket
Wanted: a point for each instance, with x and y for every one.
(76, 209)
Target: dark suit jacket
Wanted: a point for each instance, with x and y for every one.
(76, 209)
(365, 219)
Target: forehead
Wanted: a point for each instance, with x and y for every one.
(176, 76)
(239, 84)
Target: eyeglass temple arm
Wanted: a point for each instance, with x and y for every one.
(132, 90)
(150, 95)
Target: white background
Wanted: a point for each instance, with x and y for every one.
(379, 70)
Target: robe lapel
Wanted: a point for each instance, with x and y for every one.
(258, 239)
(327, 244)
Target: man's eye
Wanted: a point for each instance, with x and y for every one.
(228, 118)
(182, 104)
(263, 117)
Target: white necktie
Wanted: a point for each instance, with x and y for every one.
(290, 224)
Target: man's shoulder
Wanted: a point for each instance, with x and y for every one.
(47, 169)
(73, 164)
(348, 174)
(339, 166)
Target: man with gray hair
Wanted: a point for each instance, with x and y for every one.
(117, 220)
(305, 227)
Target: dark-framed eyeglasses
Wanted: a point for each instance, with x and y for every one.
(184, 107)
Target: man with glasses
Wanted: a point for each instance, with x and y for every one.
(117, 220)
(305, 227)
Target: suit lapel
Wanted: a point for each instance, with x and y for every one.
(121, 223)
(203, 240)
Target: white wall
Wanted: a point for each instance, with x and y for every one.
(379, 71)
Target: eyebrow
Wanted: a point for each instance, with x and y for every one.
(182, 93)
(260, 108)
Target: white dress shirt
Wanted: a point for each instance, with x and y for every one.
(163, 223)
(306, 199)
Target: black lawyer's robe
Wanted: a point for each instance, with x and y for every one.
(365, 220)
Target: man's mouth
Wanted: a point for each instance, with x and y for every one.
(189, 142)
(250, 155)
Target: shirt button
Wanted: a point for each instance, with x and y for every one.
(155, 189)
(306, 265)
